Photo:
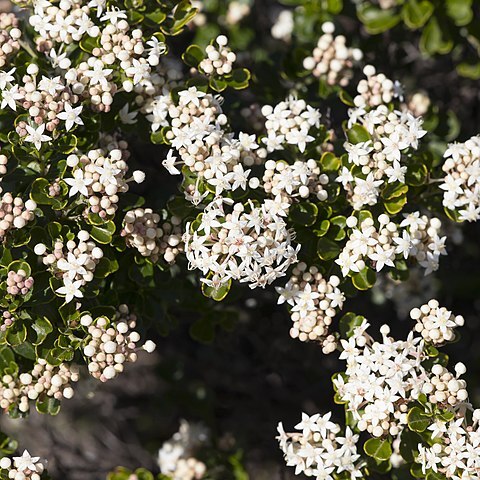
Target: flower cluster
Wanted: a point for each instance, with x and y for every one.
(436, 324)
(381, 159)
(25, 467)
(251, 244)
(319, 450)
(289, 122)
(99, 176)
(42, 383)
(142, 231)
(301, 179)
(442, 387)
(203, 144)
(10, 35)
(331, 59)
(75, 266)
(461, 183)
(19, 283)
(456, 451)
(314, 302)
(376, 89)
(176, 457)
(220, 58)
(14, 213)
(111, 344)
(382, 246)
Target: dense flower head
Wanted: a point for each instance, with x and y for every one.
(331, 59)
(319, 449)
(461, 183)
(23, 467)
(250, 243)
(313, 302)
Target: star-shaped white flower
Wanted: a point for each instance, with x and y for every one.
(78, 184)
(71, 116)
(25, 462)
(70, 289)
(36, 136)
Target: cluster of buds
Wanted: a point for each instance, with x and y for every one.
(314, 302)
(376, 89)
(43, 381)
(25, 467)
(289, 122)
(7, 320)
(100, 175)
(444, 388)
(75, 266)
(220, 58)
(142, 230)
(18, 283)
(176, 457)
(301, 179)
(331, 59)
(9, 37)
(3, 165)
(460, 184)
(250, 244)
(111, 344)
(14, 213)
(436, 324)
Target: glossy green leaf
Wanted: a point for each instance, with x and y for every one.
(378, 449)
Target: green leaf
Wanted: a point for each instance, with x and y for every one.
(327, 249)
(26, 350)
(330, 162)
(103, 234)
(417, 174)
(217, 294)
(47, 405)
(218, 84)
(416, 13)
(395, 205)
(42, 327)
(365, 279)
(193, 56)
(435, 39)
(20, 265)
(357, 134)
(380, 450)
(460, 11)
(469, 70)
(321, 228)
(417, 420)
(394, 190)
(334, 6)
(239, 78)
(304, 213)
(431, 475)
(39, 193)
(377, 20)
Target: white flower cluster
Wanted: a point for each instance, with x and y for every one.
(314, 302)
(46, 100)
(44, 381)
(10, 35)
(75, 266)
(318, 450)
(204, 146)
(444, 388)
(436, 324)
(331, 59)
(251, 244)
(461, 184)
(456, 452)
(289, 122)
(18, 283)
(14, 213)
(376, 89)
(394, 135)
(380, 379)
(99, 176)
(382, 246)
(142, 230)
(111, 344)
(219, 59)
(176, 459)
(301, 179)
(119, 52)
(25, 467)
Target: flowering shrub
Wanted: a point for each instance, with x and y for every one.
(327, 183)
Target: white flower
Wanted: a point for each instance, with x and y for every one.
(10, 96)
(126, 117)
(26, 462)
(191, 95)
(169, 164)
(78, 184)
(70, 289)
(71, 116)
(36, 136)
